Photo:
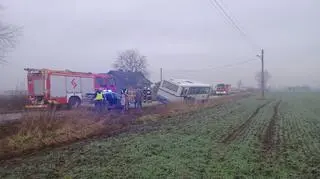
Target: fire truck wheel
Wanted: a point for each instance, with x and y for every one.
(74, 102)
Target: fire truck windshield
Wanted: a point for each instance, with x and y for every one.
(111, 82)
(105, 82)
(102, 82)
(220, 85)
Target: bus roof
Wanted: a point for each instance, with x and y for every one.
(188, 83)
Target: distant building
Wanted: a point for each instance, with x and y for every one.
(129, 80)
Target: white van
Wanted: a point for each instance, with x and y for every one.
(175, 90)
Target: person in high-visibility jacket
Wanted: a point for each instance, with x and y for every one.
(98, 100)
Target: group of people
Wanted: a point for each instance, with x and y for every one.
(125, 102)
(103, 99)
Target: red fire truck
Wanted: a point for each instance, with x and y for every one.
(63, 87)
(223, 89)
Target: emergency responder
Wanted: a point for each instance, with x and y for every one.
(138, 99)
(149, 96)
(144, 94)
(98, 101)
(109, 100)
(124, 100)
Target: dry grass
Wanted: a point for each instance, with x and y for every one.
(12, 103)
(173, 109)
(40, 129)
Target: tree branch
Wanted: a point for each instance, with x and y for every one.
(8, 35)
(131, 60)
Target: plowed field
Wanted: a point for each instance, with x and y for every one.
(278, 138)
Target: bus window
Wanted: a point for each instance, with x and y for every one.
(170, 86)
(204, 90)
(194, 90)
(208, 90)
(199, 90)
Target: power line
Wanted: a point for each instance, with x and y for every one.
(232, 22)
(229, 17)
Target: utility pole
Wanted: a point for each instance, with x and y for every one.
(262, 74)
(160, 74)
(239, 84)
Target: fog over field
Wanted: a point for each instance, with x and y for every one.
(188, 39)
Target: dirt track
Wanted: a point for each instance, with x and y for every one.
(271, 137)
(239, 131)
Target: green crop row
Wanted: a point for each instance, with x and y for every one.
(300, 127)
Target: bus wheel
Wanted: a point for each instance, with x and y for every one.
(74, 102)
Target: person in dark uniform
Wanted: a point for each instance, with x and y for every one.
(149, 95)
(109, 99)
(144, 92)
(138, 99)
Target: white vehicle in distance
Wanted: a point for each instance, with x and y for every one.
(175, 90)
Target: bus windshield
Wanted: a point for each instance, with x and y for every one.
(170, 86)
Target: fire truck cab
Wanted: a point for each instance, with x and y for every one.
(63, 87)
(222, 89)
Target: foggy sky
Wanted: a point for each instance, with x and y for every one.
(187, 38)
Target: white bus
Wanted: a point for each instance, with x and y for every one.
(175, 90)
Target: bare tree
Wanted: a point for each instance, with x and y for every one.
(131, 60)
(8, 34)
(267, 77)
